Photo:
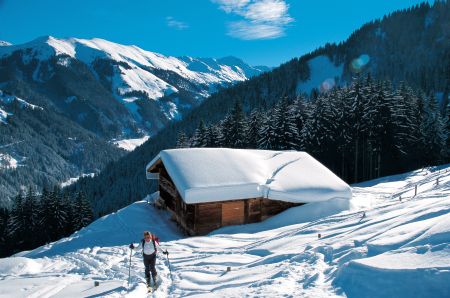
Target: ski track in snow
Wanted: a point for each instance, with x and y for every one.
(357, 246)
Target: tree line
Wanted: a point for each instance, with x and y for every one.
(362, 131)
(37, 219)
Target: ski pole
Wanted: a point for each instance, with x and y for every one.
(129, 269)
(168, 261)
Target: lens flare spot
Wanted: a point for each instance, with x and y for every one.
(358, 64)
(327, 85)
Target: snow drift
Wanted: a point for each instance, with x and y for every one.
(381, 247)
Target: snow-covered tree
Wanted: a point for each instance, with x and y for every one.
(200, 138)
(253, 129)
(433, 131)
(182, 140)
(285, 132)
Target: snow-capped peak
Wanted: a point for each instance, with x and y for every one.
(134, 74)
(227, 69)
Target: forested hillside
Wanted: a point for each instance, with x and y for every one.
(364, 131)
(410, 46)
(41, 147)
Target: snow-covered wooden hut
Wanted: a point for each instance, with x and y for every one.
(207, 188)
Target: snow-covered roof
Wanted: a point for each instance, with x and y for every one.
(220, 174)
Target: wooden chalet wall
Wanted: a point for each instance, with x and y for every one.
(202, 218)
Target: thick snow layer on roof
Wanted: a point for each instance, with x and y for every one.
(219, 174)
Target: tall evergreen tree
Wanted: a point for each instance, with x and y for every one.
(225, 137)
(4, 245)
(238, 127)
(30, 218)
(447, 129)
(182, 141)
(253, 129)
(16, 227)
(433, 131)
(83, 211)
(266, 132)
(200, 138)
(286, 134)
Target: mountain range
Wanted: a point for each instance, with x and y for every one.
(114, 90)
(90, 95)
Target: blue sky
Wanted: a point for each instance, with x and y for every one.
(261, 32)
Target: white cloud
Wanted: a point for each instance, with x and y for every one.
(232, 5)
(249, 31)
(262, 19)
(171, 22)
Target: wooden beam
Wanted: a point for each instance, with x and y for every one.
(167, 186)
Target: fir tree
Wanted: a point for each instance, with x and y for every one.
(433, 132)
(4, 245)
(83, 211)
(16, 227)
(253, 129)
(237, 128)
(30, 218)
(285, 132)
(182, 141)
(447, 129)
(200, 136)
(266, 132)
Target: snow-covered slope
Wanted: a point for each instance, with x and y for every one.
(6, 160)
(6, 99)
(383, 246)
(3, 116)
(130, 144)
(131, 75)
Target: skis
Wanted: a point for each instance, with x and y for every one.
(155, 286)
(151, 289)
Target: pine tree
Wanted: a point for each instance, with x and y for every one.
(286, 135)
(15, 226)
(212, 136)
(266, 132)
(182, 141)
(225, 137)
(4, 245)
(70, 211)
(253, 129)
(238, 127)
(30, 218)
(83, 211)
(53, 214)
(447, 129)
(298, 112)
(200, 138)
(319, 131)
(433, 131)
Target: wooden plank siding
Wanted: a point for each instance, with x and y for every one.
(233, 213)
(208, 217)
(202, 218)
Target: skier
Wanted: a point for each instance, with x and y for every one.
(148, 246)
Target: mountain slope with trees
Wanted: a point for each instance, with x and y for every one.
(41, 147)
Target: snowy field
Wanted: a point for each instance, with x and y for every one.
(383, 246)
(131, 144)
